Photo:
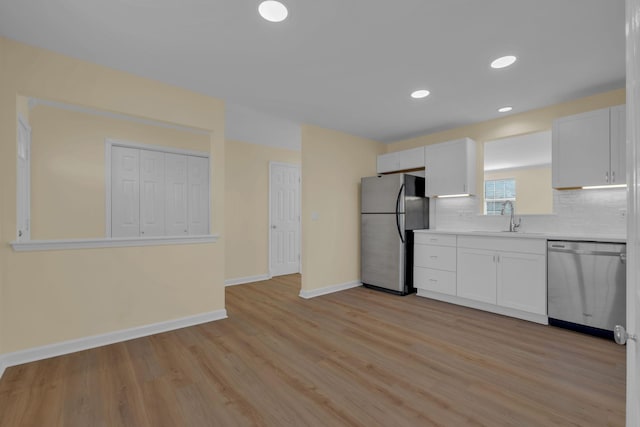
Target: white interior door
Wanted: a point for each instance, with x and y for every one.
(176, 194)
(151, 193)
(125, 192)
(284, 217)
(633, 193)
(23, 181)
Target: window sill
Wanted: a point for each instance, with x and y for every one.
(115, 242)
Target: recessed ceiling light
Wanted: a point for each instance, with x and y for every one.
(418, 94)
(504, 61)
(273, 11)
(504, 109)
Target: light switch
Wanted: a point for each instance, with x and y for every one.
(315, 216)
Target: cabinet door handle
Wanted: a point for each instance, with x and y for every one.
(606, 177)
(433, 280)
(434, 257)
(613, 177)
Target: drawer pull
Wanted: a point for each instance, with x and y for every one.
(433, 280)
(434, 257)
(433, 239)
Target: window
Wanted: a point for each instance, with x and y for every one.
(156, 191)
(496, 193)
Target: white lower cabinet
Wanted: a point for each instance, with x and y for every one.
(498, 274)
(435, 263)
(522, 282)
(477, 275)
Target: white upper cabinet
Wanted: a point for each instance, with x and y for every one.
(589, 148)
(389, 162)
(401, 160)
(451, 167)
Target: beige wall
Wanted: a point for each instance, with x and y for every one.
(515, 124)
(247, 206)
(68, 169)
(332, 165)
(53, 296)
(533, 189)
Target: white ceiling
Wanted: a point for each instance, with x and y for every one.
(347, 65)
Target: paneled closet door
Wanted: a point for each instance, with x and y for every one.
(198, 182)
(125, 192)
(176, 194)
(151, 193)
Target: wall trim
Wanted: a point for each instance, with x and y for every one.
(248, 279)
(114, 242)
(86, 343)
(329, 289)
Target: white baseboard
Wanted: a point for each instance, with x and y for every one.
(248, 279)
(329, 289)
(72, 346)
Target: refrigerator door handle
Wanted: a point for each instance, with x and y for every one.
(398, 213)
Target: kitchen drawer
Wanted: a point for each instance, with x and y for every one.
(435, 239)
(438, 257)
(435, 280)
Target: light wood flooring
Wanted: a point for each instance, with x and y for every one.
(353, 358)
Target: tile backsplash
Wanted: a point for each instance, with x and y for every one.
(591, 212)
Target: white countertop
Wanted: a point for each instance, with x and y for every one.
(531, 235)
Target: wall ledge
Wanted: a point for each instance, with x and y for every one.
(52, 350)
(248, 279)
(329, 289)
(115, 242)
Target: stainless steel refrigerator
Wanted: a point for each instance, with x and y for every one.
(392, 206)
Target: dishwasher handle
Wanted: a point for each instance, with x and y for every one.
(562, 248)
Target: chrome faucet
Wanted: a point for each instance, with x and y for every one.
(512, 221)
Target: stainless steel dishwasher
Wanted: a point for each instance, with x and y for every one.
(586, 285)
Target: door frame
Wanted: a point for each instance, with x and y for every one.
(21, 197)
(633, 207)
(299, 167)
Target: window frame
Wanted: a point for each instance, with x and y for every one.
(503, 199)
